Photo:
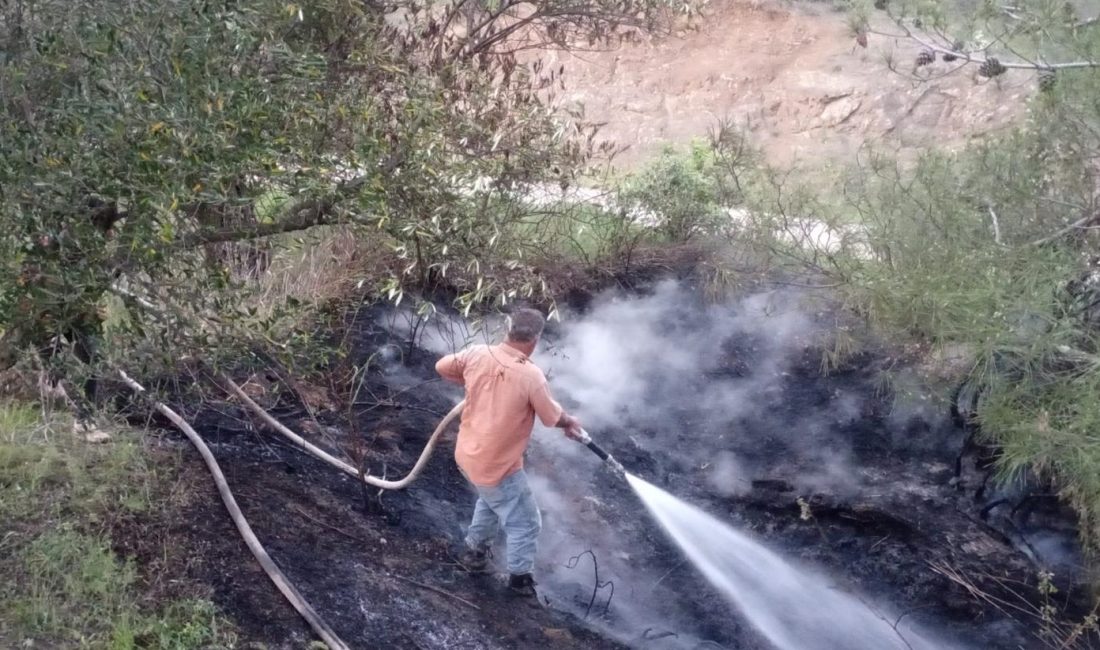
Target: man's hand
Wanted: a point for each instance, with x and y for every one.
(571, 426)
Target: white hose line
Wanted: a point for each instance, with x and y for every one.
(305, 444)
(277, 576)
(421, 462)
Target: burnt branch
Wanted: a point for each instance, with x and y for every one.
(597, 585)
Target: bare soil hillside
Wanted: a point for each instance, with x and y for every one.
(793, 75)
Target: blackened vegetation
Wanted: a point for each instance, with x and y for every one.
(906, 507)
(914, 508)
(379, 567)
(597, 584)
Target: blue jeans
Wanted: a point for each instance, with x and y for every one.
(512, 504)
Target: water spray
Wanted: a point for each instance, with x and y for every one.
(793, 606)
(614, 465)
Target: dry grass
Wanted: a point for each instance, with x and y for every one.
(325, 267)
(1049, 624)
(317, 270)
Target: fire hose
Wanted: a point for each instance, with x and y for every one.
(323, 630)
(615, 466)
(378, 482)
(274, 573)
(421, 462)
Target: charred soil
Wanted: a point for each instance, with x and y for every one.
(906, 522)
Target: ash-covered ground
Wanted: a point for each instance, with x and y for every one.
(725, 406)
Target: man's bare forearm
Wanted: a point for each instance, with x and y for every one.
(570, 425)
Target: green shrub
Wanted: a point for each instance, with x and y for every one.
(679, 192)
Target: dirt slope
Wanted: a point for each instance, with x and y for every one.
(794, 76)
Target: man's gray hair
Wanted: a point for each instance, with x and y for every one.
(525, 325)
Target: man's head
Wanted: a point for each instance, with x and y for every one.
(525, 326)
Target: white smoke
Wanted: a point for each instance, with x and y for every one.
(704, 388)
(631, 356)
(645, 370)
(727, 476)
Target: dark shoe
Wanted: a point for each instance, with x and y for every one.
(475, 560)
(522, 584)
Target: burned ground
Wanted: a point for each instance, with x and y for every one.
(381, 571)
(890, 506)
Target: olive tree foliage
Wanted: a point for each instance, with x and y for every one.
(139, 135)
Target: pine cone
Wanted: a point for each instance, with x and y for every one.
(991, 67)
(950, 56)
(926, 57)
(861, 39)
(1047, 80)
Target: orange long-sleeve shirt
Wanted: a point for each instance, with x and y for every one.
(505, 390)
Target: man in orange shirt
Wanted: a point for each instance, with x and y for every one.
(505, 390)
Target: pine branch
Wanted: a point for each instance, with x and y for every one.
(970, 57)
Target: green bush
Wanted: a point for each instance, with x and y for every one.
(978, 251)
(680, 193)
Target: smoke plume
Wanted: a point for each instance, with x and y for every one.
(709, 397)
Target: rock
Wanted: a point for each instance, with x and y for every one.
(97, 436)
(838, 112)
(90, 432)
(557, 633)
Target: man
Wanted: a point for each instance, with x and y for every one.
(505, 390)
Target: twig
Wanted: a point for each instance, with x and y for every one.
(1080, 223)
(801, 285)
(660, 635)
(909, 111)
(999, 603)
(893, 626)
(907, 612)
(996, 225)
(968, 57)
(329, 526)
(667, 574)
(437, 590)
(572, 564)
